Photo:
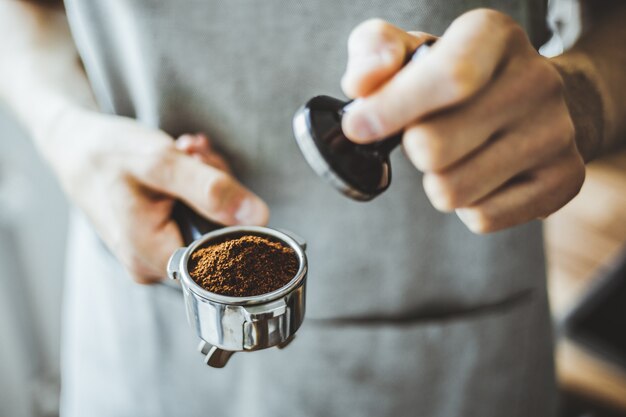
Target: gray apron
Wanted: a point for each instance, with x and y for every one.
(408, 313)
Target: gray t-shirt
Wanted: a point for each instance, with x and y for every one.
(408, 313)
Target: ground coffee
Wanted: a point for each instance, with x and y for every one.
(246, 266)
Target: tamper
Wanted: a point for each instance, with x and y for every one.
(361, 172)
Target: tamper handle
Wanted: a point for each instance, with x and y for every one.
(385, 146)
(192, 226)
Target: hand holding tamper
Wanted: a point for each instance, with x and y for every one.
(361, 172)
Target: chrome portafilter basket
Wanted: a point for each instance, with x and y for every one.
(228, 324)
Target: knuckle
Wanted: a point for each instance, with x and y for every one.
(426, 148)
(513, 33)
(485, 15)
(497, 23)
(369, 29)
(218, 189)
(549, 77)
(436, 157)
(488, 18)
(563, 184)
(533, 73)
(460, 78)
(542, 76)
(562, 136)
(553, 137)
(159, 162)
(376, 26)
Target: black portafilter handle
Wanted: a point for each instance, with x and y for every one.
(361, 172)
(192, 226)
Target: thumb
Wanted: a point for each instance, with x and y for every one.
(376, 51)
(211, 192)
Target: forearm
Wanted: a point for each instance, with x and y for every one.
(40, 73)
(595, 80)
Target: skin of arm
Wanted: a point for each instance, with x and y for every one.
(500, 132)
(124, 176)
(595, 80)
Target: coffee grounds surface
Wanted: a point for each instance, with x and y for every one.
(242, 267)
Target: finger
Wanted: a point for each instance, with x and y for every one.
(542, 193)
(439, 141)
(214, 158)
(193, 144)
(492, 166)
(199, 146)
(146, 236)
(216, 161)
(162, 243)
(459, 65)
(208, 190)
(523, 147)
(376, 51)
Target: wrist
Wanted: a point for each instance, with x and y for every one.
(584, 101)
(51, 128)
(69, 143)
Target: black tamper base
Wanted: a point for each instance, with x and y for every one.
(359, 171)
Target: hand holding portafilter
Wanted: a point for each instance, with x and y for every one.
(227, 324)
(247, 320)
(361, 172)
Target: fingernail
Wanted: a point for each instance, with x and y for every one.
(184, 141)
(360, 124)
(471, 219)
(355, 104)
(465, 216)
(434, 192)
(251, 211)
(416, 154)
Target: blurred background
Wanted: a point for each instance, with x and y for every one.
(33, 223)
(585, 243)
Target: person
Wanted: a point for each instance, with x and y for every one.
(409, 312)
